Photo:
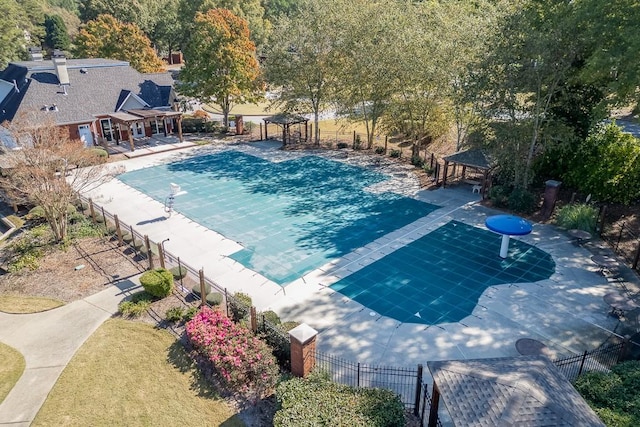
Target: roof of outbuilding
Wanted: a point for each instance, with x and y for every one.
(511, 391)
(475, 158)
(96, 88)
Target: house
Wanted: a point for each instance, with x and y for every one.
(98, 100)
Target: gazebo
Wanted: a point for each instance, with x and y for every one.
(510, 391)
(476, 159)
(286, 121)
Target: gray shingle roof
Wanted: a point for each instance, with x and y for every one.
(96, 88)
(513, 391)
(474, 158)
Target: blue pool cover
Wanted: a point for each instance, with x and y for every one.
(291, 217)
(439, 277)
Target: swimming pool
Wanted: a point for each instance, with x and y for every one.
(291, 217)
(440, 277)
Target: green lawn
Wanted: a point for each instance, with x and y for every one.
(131, 374)
(11, 368)
(25, 304)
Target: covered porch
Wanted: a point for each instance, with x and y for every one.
(140, 124)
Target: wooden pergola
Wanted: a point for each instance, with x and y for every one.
(286, 121)
(127, 118)
(476, 159)
(510, 391)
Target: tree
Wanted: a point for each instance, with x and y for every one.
(221, 64)
(366, 79)
(611, 28)
(249, 10)
(49, 169)
(12, 40)
(106, 37)
(56, 36)
(144, 13)
(167, 33)
(301, 59)
(607, 165)
(532, 57)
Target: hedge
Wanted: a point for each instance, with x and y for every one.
(158, 282)
(335, 404)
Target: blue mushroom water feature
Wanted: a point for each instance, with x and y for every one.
(508, 225)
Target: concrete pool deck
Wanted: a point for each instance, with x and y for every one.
(566, 311)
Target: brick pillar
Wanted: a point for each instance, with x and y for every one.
(303, 349)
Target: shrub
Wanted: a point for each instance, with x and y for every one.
(196, 289)
(241, 361)
(100, 153)
(214, 298)
(158, 282)
(335, 404)
(174, 314)
(189, 314)
(615, 396)
(341, 145)
(179, 272)
(36, 214)
(272, 317)
(499, 195)
(427, 169)
(81, 226)
(522, 201)
(240, 304)
(396, 154)
(289, 325)
(417, 161)
(134, 308)
(379, 150)
(578, 216)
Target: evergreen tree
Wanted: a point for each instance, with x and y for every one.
(56, 36)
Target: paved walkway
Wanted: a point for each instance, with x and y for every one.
(48, 341)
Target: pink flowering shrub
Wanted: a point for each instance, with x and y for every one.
(243, 362)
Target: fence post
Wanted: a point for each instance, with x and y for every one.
(260, 131)
(386, 139)
(133, 240)
(584, 357)
(161, 255)
(637, 257)
(619, 236)
(416, 405)
(118, 229)
(601, 216)
(203, 293)
(226, 301)
(149, 253)
(358, 376)
(104, 218)
(92, 210)
(431, 161)
(302, 340)
(254, 319)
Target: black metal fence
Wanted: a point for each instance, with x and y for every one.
(624, 241)
(600, 359)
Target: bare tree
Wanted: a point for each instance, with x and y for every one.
(49, 169)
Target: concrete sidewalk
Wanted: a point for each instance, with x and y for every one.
(48, 341)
